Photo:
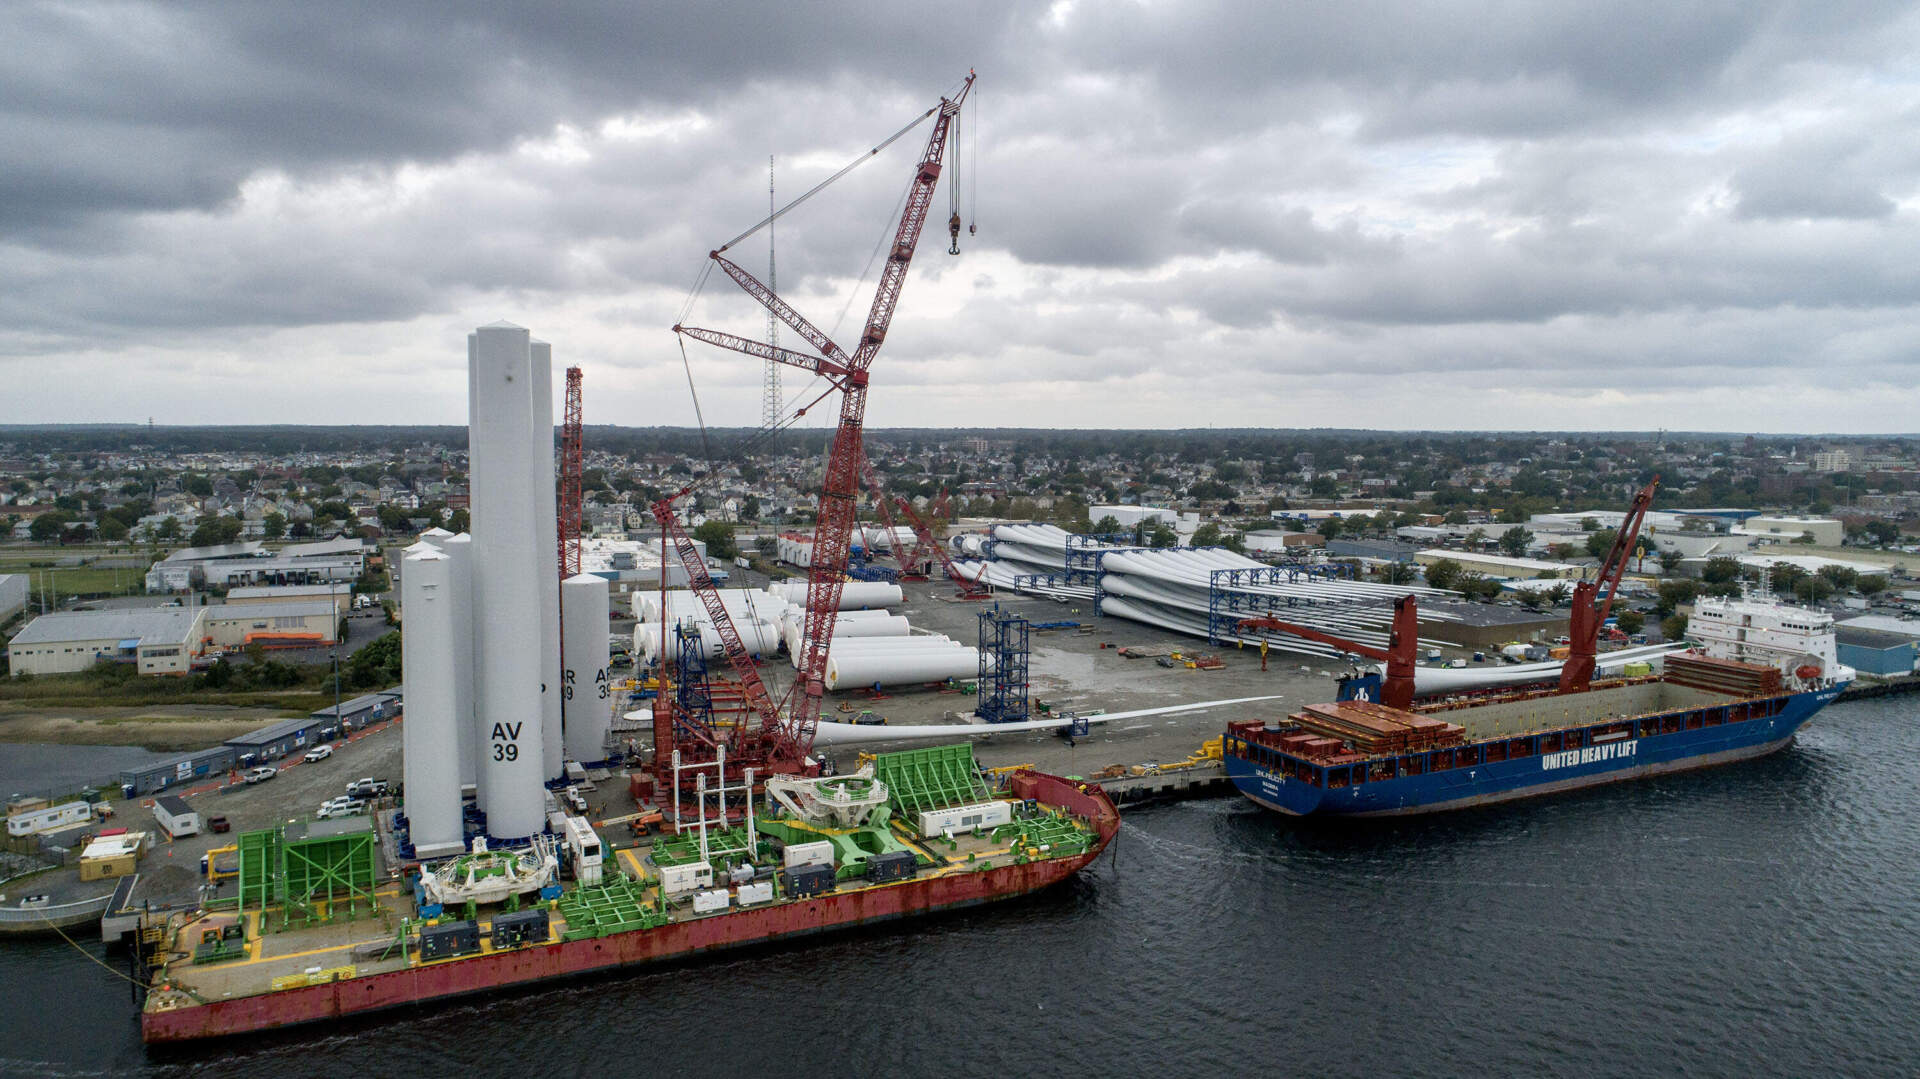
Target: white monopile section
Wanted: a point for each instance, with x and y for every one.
(890, 668)
(853, 594)
(430, 759)
(459, 552)
(547, 560)
(506, 579)
(585, 691)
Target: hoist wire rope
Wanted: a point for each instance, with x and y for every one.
(824, 184)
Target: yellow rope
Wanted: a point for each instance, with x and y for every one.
(90, 956)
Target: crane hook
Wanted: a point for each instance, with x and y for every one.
(953, 230)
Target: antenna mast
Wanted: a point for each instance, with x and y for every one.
(771, 406)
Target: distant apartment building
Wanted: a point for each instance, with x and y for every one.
(1832, 461)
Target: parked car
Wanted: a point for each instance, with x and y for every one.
(219, 824)
(341, 807)
(318, 753)
(260, 774)
(367, 788)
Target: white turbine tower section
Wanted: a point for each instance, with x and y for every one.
(431, 734)
(586, 692)
(459, 552)
(506, 561)
(546, 511)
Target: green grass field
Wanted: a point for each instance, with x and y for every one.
(38, 561)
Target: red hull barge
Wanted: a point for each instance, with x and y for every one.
(480, 974)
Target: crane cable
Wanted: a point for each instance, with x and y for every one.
(887, 229)
(822, 185)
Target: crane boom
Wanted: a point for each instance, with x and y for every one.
(793, 723)
(1399, 655)
(761, 350)
(1585, 619)
(834, 523)
(571, 450)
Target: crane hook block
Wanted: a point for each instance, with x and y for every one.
(953, 230)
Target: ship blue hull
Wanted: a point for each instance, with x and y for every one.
(1536, 774)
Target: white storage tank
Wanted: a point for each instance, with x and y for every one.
(459, 552)
(507, 590)
(546, 519)
(430, 744)
(586, 693)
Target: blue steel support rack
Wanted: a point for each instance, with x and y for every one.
(1004, 646)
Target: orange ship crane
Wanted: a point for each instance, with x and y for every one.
(1589, 611)
(833, 531)
(1399, 655)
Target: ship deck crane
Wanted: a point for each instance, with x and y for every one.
(1585, 620)
(1400, 655)
(790, 728)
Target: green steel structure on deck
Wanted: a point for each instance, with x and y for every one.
(921, 779)
(615, 906)
(723, 844)
(313, 871)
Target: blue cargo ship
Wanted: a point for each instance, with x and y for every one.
(1634, 728)
(1762, 669)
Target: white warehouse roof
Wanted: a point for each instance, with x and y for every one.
(164, 625)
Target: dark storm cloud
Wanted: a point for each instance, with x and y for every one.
(1162, 189)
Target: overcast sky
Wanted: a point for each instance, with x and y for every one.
(1401, 215)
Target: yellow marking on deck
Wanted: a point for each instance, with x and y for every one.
(639, 871)
(311, 951)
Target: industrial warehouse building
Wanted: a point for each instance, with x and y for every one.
(13, 595)
(234, 626)
(1494, 565)
(232, 565)
(340, 595)
(1875, 652)
(163, 640)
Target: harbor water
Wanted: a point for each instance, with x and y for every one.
(1756, 919)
